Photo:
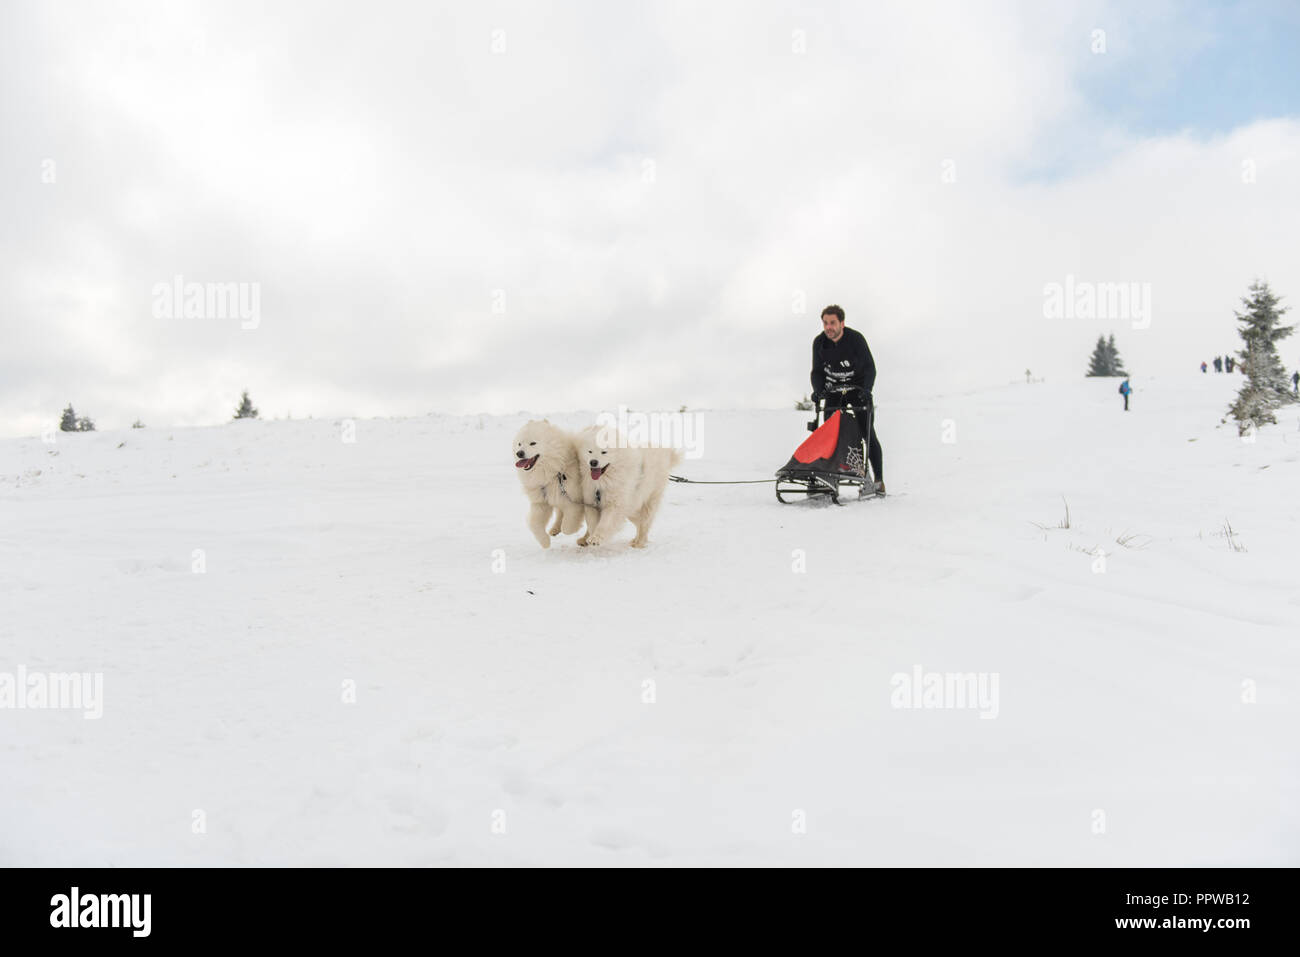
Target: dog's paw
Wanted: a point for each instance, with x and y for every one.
(544, 542)
(593, 539)
(637, 543)
(553, 531)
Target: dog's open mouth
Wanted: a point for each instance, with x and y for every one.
(597, 473)
(526, 464)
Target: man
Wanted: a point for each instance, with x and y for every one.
(1295, 382)
(1124, 390)
(842, 372)
(1218, 363)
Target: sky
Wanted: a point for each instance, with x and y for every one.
(499, 207)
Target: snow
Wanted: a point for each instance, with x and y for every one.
(1146, 707)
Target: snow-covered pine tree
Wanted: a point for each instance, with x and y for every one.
(69, 421)
(85, 424)
(1116, 363)
(245, 410)
(1266, 387)
(1100, 363)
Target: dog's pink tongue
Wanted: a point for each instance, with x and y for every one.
(523, 463)
(596, 473)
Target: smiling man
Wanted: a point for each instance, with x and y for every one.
(843, 371)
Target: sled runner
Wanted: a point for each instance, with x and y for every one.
(831, 459)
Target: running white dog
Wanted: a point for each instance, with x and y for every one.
(546, 460)
(620, 483)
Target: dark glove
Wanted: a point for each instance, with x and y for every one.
(818, 395)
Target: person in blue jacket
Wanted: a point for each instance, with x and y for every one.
(1124, 390)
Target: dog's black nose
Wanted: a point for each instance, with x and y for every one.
(519, 454)
(594, 464)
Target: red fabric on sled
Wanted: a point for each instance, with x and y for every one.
(822, 443)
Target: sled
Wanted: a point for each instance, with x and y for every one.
(830, 460)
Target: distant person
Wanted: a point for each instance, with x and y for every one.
(1204, 367)
(1229, 362)
(1295, 382)
(1124, 390)
(1218, 364)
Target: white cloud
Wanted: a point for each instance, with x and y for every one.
(647, 189)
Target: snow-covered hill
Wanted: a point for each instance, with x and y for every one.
(729, 695)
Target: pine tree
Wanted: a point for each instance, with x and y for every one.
(1099, 364)
(85, 424)
(69, 421)
(1266, 387)
(1116, 363)
(246, 410)
(1105, 359)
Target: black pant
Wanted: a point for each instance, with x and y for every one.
(1125, 401)
(836, 401)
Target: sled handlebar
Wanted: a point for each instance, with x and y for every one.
(848, 404)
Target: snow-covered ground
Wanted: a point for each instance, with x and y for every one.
(700, 702)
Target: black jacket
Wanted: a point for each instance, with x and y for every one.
(843, 366)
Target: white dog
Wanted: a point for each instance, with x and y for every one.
(546, 461)
(620, 483)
